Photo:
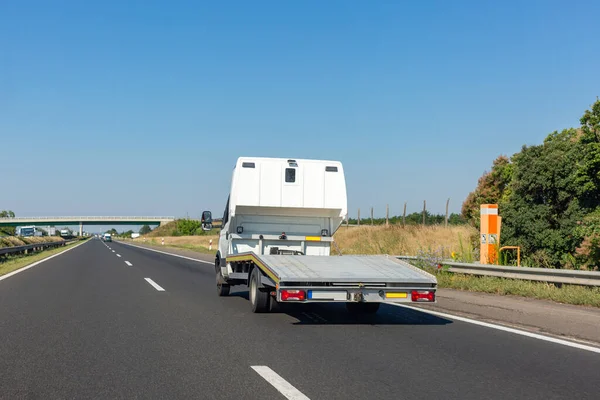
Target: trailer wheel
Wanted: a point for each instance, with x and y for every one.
(362, 308)
(259, 297)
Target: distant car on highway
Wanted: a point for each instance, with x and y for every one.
(107, 237)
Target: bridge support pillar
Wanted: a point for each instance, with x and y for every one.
(81, 229)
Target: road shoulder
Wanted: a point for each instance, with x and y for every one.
(579, 323)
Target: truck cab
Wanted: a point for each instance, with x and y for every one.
(282, 206)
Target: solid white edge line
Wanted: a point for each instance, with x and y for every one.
(118, 255)
(283, 386)
(128, 263)
(169, 254)
(506, 329)
(154, 284)
(25, 268)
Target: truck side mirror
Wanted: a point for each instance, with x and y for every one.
(206, 220)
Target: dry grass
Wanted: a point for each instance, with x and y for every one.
(11, 241)
(358, 240)
(409, 240)
(196, 243)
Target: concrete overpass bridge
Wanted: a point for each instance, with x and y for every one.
(63, 221)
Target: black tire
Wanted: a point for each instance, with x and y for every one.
(223, 289)
(362, 308)
(222, 286)
(259, 296)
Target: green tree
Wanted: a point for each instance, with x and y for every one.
(549, 197)
(543, 210)
(588, 176)
(145, 230)
(7, 230)
(492, 188)
(7, 214)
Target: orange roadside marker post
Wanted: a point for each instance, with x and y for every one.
(489, 233)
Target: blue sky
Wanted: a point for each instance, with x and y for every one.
(142, 109)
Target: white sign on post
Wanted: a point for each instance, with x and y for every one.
(483, 238)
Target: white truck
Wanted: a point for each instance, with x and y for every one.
(276, 236)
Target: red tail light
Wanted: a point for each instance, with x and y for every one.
(293, 295)
(422, 295)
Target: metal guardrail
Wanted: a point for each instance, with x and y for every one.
(33, 246)
(572, 277)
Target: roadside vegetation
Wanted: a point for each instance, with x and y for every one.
(181, 227)
(408, 240)
(415, 218)
(549, 197)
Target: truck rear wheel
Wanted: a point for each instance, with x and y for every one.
(223, 289)
(362, 308)
(259, 296)
(222, 286)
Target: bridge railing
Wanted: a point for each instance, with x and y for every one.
(95, 218)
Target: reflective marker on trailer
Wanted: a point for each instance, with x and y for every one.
(396, 295)
(422, 295)
(292, 295)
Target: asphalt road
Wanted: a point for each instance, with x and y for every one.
(85, 324)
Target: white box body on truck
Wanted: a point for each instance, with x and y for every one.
(276, 236)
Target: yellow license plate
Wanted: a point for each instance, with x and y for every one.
(393, 295)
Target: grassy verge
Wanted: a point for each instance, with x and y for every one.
(567, 294)
(199, 244)
(14, 263)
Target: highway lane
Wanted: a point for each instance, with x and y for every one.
(86, 324)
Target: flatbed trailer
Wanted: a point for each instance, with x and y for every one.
(318, 279)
